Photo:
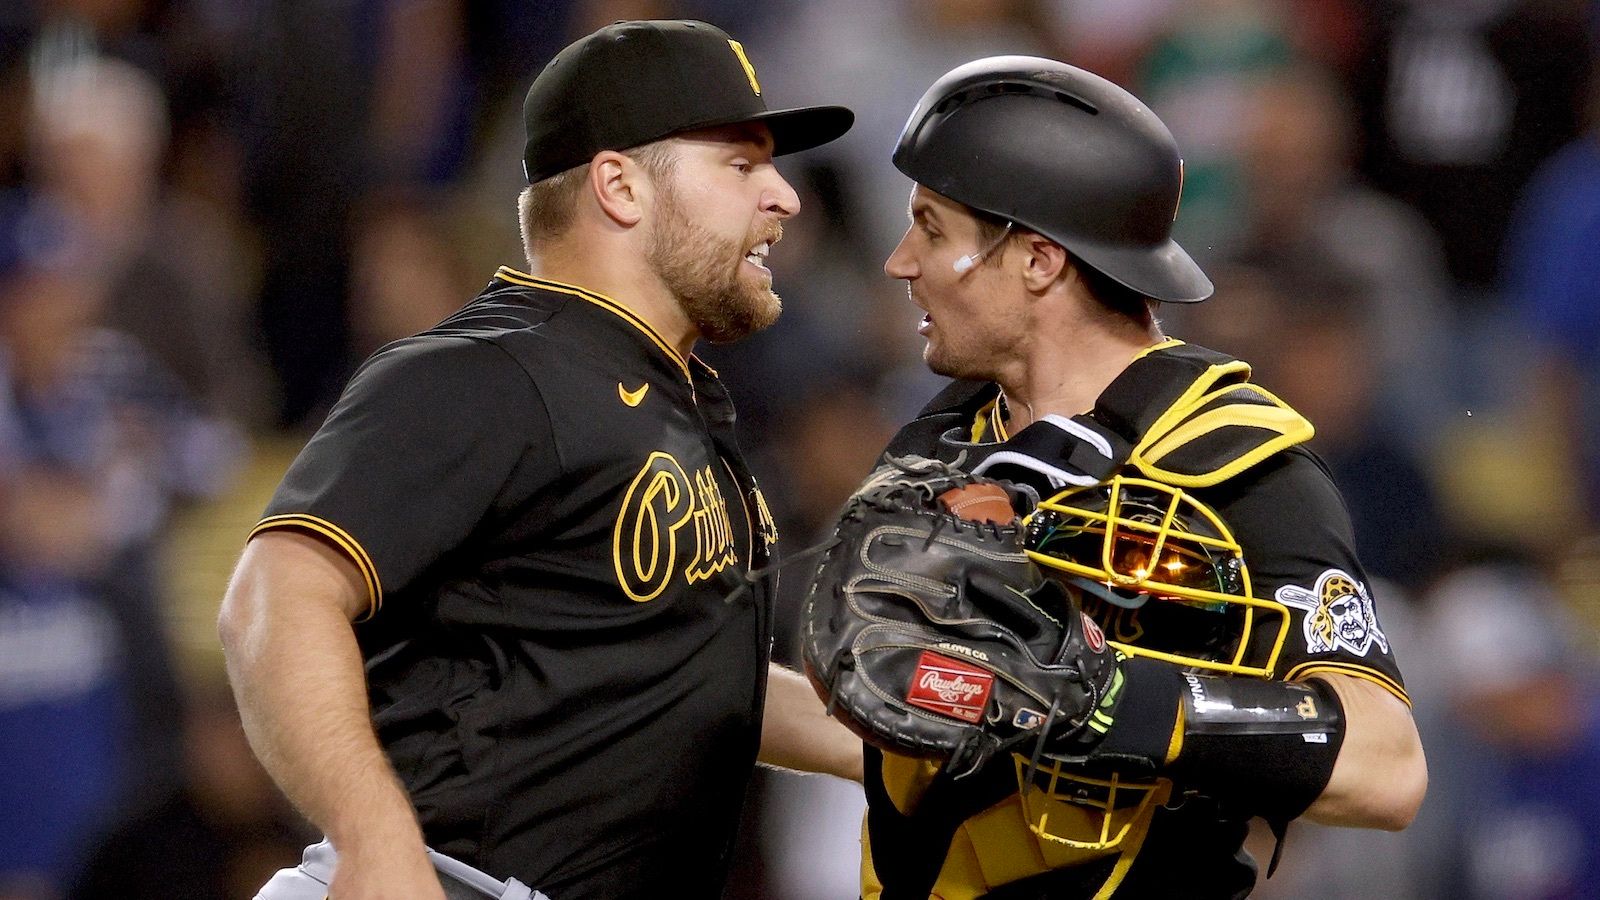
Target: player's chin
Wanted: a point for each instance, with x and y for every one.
(754, 287)
(745, 313)
(940, 361)
(938, 358)
(764, 308)
(753, 284)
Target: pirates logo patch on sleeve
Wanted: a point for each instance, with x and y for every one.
(1339, 614)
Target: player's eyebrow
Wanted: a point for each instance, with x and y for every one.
(752, 134)
(922, 212)
(743, 138)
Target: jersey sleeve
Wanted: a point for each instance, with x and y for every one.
(425, 437)
(1299, 548)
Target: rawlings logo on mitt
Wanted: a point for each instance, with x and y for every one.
(931, 634)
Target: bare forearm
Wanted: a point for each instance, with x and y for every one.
(296, 671)
(303, 703)
(1381, 775)
(797, 732)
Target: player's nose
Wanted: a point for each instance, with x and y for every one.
(780, 198)
(901, 263)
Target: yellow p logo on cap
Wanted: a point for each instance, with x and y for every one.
(749, 70)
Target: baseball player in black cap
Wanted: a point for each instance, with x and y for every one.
(1207, 551)
(499, 605)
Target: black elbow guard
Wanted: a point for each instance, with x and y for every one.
(1266, 748)
(1263, 748)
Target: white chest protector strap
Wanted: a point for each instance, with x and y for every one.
(1179, 414)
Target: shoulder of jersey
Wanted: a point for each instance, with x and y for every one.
(1215, 423)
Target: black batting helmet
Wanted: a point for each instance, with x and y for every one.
(1062, 152)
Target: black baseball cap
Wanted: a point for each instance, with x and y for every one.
(631, 83)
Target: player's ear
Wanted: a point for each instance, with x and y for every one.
(619, 186)
(1043, 261)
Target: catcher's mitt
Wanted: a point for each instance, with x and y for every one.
(933, 635)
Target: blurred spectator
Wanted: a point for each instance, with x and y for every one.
(1241, 319)
(1308, 335)
(1200, 77)
(1553, 281)
(1459, 101)
(407, 272)
(877, 59)
(1108, 37)
(99, 135)
(1305, 210)
(306, 164)
(1324, 369)
(813, 461)
(95, 443)
(220, 834)
(799, 837)
(310, 162)
(1517, 761)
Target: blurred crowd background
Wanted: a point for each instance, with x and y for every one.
(211, 210)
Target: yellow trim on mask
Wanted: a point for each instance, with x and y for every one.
(339, 538)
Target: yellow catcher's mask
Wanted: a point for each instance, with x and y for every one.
(1163, 576)
(1139, 545)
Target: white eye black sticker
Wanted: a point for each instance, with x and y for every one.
(1339, 614)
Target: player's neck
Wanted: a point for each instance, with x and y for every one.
(627, 279)
(1066, 376)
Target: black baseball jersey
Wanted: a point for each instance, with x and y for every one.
(1290, 520)
(554, 523)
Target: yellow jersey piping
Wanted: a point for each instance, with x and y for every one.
(340, 539)
(1307, 669)
(1164, 345)
(506, 273)
(749, 520)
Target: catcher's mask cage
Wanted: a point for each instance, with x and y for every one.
(1083, 811)
(1131, 542)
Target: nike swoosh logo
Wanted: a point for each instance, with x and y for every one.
(632, 398)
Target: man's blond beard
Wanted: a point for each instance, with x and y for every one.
(704, 272)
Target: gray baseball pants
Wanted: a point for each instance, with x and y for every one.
(309, 880)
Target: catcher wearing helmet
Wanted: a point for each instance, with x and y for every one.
(1232, 664)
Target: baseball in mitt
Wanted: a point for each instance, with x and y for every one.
(929, 632)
